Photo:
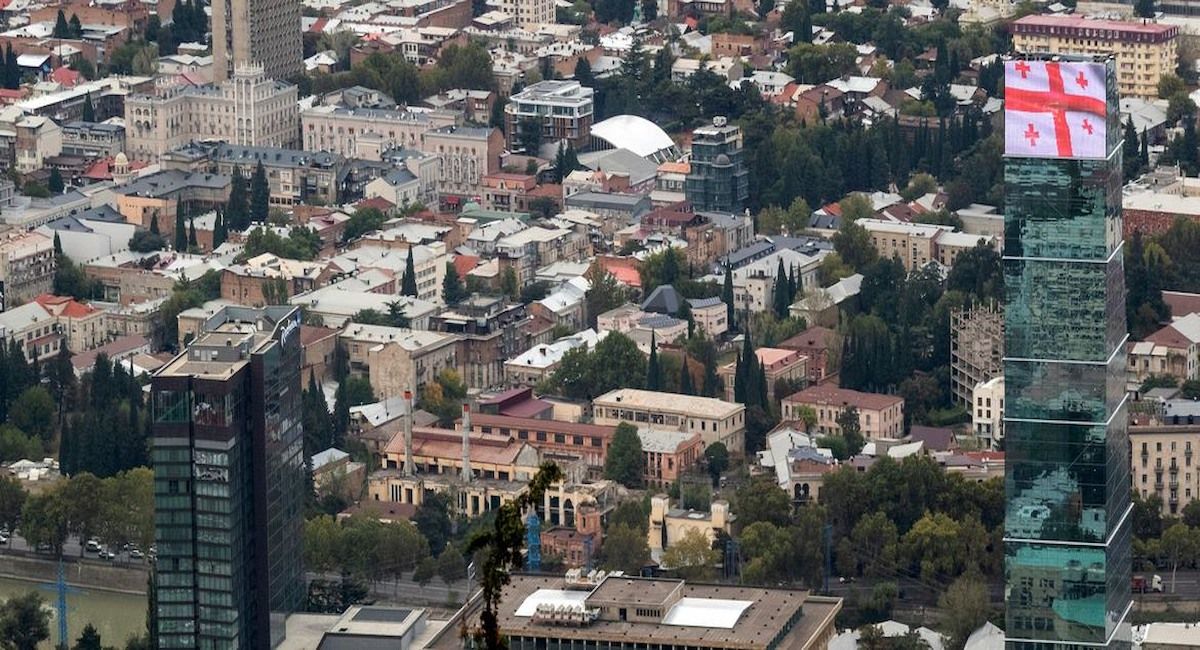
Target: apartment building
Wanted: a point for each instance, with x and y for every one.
(37, 138)
(262, 33)
(879, 416)
(249, 109)
(266, 278)
(668, 455)
(815, 343)
(1144, 51)
(293, 175)
(533, 248)
(27, 266)
(81, 325)
(396, 359)
(715, 420)
(987, 411)
(559, 109)
(584, 442)
(35, 329)
(355, 131)
(918, 244)
(429, 265)
(490, 333)
(465, 156)
(529, 14)
(92, 139)
(1164, 464)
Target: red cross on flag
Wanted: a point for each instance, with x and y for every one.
(1055, 109)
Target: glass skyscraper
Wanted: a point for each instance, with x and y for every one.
(229, 483)
(1067, 528)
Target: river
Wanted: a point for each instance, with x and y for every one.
(116, 616)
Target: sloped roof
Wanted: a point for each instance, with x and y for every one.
(663, 300)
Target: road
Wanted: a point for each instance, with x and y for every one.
(71, 548)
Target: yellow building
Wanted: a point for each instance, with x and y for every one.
(1144, 51)
(669, 525)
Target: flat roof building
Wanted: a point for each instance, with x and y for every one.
(625, 613)
(715, 420)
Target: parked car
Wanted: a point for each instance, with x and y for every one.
(136, 553)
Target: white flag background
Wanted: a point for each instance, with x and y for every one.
(1055, 109)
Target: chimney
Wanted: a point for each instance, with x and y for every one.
(466, 442)
(409, 466)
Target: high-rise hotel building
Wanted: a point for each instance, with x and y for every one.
(1067, 529)
(257, 32)
(229, 483)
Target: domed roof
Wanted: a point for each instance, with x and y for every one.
(637, 134)
(120, 158)
(722, 160)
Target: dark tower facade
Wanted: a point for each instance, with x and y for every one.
(1067, 526)
(229, 482)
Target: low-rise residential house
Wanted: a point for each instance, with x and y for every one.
(669, 525)
(879, 416)
(81, 325)
(715, 420)
(815, 343)
(780, 365)
(710, 315)
(668, 455)
(540, 361)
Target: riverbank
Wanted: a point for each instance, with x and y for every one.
(128, 580)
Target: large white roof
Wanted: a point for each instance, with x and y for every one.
(637, 134)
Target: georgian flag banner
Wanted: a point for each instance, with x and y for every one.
(1055, 109)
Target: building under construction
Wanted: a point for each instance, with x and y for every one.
(976, 348)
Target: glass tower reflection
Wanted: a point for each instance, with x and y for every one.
(1067, 526)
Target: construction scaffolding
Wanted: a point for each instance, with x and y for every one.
(976, 348)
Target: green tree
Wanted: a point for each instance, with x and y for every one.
(24, 622)
(716, 458)
(604, 294)
(425, 571)
(451, 565)
(12, 502)
(432, 519)
(853, 245)
(55, 183)
(322, 543)
(625, 549)
(761, 499)
(237, 208)
(180, 229)
(509, 284)
(61, 28)
(727, 297)
(89, 111)
(871, 549)
(78, 495)
(851, 428)
(44, 521)
(807, 415)
(967, 607)
(260, 194)
(408, 284)
(781, 294)
(625, 463)
(76, 27)
(654, 372)
(453, 291)
(89, 639)
(692, 557)
(1144, 8)
(502, 547)
(1179, 545)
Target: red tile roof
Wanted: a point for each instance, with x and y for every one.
(377, 202)
(834, 396)
(65, 76)
(1182, 303)
(464, 264)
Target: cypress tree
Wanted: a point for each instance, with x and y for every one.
(55, 184)
(739, 380)
(685, 378)
(793, 284)
(654, 379)
(180, 231)
(5, 380)
(66, 449)
(260, 194)
(237, 215)
(408, 284)
(1144, 153)
(727, 297)
(61, 28)
(75, 26)
(218, 230)
(192, 242)
(782, 297)
(57, 245)
(760, 383)
(154, 224)
(89, 111)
